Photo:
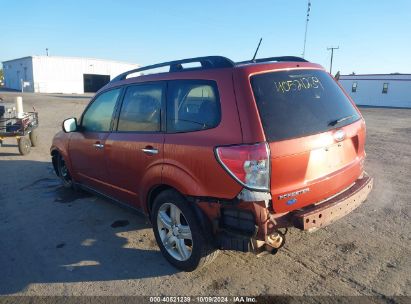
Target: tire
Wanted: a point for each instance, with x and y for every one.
(64, 173)
(174, 222)
(34, 138)
(24, 145)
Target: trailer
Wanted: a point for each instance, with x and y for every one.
(21, 126)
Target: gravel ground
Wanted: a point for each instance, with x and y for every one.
(56, 242)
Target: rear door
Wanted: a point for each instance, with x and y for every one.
(134, 150)
(315, 134)
(87, 146)
(201, 115)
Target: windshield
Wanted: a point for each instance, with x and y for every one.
(298, 103)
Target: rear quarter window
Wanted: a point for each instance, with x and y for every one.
(192, 105)
(299, 103)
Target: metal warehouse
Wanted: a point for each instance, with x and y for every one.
(384, 90)
(55, 74)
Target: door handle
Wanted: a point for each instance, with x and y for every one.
(98, 146)
(150, 150)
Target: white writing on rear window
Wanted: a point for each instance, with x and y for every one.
(302, 83)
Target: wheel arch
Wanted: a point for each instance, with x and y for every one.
(202, 217)
(153, 193)
(54, 154)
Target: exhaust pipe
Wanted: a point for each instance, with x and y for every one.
(274, 241)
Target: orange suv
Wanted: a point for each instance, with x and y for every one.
(220, 155)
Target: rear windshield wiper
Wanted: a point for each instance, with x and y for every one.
(337, 121)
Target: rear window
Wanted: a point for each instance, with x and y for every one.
(299, 103)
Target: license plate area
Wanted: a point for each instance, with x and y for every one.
(328, 159)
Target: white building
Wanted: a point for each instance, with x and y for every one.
(55, 74)
(383, 90)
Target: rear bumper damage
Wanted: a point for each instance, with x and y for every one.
(321, 215)
(256, 229)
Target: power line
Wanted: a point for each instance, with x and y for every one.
(306, 25)
(332, 55)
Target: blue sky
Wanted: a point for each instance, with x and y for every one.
(374, 36)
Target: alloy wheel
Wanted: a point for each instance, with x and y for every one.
(174, 231)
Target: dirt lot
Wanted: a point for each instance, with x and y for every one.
(56, 242)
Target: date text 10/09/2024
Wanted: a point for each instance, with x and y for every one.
(203, 299)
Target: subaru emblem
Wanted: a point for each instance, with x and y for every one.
(291, 201)
(339, 135)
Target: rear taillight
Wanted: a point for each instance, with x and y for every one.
(248, 164)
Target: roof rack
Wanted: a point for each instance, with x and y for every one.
(207, 62)
(277, 59)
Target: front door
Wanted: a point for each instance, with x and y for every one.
(87, 146)
(134, 150)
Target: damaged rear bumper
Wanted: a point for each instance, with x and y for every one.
(321, 215)
(258, 229)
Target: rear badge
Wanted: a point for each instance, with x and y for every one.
(295, 193)
(339, 135)
(291, 201)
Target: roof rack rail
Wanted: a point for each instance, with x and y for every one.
(207, 62)
(278, 59)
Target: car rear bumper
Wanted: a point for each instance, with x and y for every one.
(254, 230)
(325, 213)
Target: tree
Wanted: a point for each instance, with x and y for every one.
(1, 76)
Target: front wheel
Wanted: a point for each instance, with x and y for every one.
(178, 232)
(64, 173)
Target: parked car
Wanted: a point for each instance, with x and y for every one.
(220, 155)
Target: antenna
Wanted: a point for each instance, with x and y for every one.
(306, 25)
(258, 46)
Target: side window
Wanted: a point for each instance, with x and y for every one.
(354, 87)
(140, 111)
(192, 105)
(98, 115)
(385, 88)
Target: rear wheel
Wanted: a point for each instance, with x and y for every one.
(24, 145)
(63, 172)
(179, 234)
(34, 138)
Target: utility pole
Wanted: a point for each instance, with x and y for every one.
(306, 25)
(332, 55)
(47, 51)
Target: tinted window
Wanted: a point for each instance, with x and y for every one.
(98, 115)
(141, 108)
(299, 103)
(192, 105)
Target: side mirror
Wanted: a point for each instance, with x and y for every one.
(70, 125)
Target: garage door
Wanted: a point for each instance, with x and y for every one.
(94, 82)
